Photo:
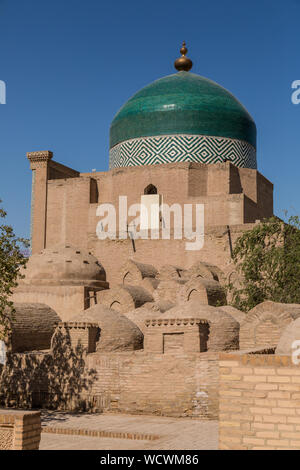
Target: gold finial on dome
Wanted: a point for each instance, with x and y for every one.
(183, 62)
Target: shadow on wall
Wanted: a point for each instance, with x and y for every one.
(57, 380)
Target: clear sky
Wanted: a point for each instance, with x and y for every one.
(69, 65)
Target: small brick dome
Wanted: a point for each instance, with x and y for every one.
(117, 332)
(63, 264)
(32, 327)
(290, 334)
(264, 324)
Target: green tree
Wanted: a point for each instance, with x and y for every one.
(268, 264)
(12, 259)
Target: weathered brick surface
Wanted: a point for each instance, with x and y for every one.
(259, 402)
(124, 298)
(170, 384)
(264, 324)
(84, 335)
(117, 333)
(32, 327)
(64, 278)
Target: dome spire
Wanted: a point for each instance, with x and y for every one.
(183, 62)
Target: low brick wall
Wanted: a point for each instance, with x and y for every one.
(20, 430)
(259, 402)
(162, 384)
(171, 384)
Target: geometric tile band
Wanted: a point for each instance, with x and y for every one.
(182, 148)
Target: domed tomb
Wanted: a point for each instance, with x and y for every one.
(192, 327)
(264, 324)
(66, 265)
(64, 277)
(117, 333)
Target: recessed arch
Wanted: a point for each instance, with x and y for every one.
(115, 306)
(150, 189)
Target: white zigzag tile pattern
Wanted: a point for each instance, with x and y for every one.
(182, 148)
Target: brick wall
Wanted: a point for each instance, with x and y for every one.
(171, 384)
(20, 430)
(67, 301)
(162, 384)
(230, 196)
(259, 402)
(55, 380)
(84, 335)
(159, 252)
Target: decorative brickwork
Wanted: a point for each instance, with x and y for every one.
(20, 430)
(182, 148)
(40, 156)
(6, 437)
(95, 433)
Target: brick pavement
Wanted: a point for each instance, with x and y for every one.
(175, 433)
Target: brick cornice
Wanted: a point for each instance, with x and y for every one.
(40, 156)
(174, 321)
(70, 324)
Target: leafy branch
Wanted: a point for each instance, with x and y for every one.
(12, 260)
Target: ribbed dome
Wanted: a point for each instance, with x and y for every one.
(182, 104)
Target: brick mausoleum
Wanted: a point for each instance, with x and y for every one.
(141, 323)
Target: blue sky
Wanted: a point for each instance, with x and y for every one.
(69, 66)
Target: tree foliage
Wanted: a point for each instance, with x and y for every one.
(12, 259)
(268, 264)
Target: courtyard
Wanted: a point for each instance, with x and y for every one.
(66, 431)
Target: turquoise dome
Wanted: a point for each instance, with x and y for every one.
(183, 103)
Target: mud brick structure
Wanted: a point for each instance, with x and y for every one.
(109, 322)
(265, 323)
